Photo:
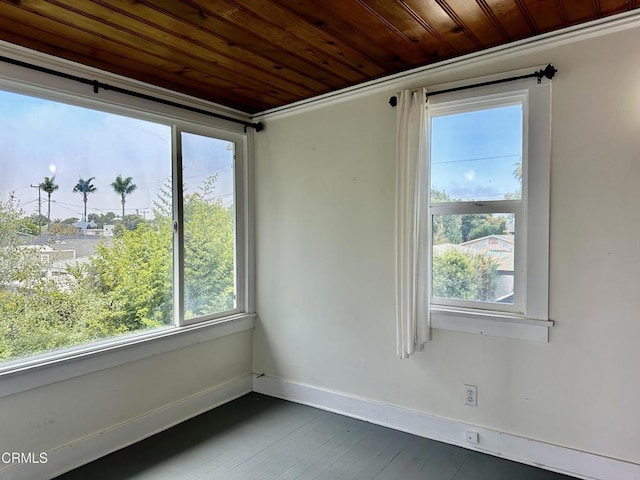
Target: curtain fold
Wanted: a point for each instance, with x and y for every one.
(411, 229)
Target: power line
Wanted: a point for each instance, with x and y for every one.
(476, 159)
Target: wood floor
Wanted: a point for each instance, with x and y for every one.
(258, 437)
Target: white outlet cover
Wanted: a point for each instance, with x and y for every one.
(473, 437)
(471, 395)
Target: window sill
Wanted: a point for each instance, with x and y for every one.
(22, 375)
(495, 324)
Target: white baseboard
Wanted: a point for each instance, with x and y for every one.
(81, 451)
(531, 452)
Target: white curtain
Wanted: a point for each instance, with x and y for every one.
(412, 187)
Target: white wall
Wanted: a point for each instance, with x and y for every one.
(117, 406)
(325, 218)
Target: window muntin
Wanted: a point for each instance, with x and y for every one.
(477, 164)
(121, 280)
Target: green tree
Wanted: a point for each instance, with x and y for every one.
(453, 275)
(18, 265)
(517, 172)
(46, 317)
(131, 222)
(84, 187)
(38, 219)
(49, 186)
(445, 228)
(126, 285)
(36, 314)
(464, 275)
(28, 225)
(481, 225)
(485, 277)
(60, 228)
(123, 187)
(209, 255)
(134, 275)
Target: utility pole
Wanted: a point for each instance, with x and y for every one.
(39, 208)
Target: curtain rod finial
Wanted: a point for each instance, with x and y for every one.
(549, 72)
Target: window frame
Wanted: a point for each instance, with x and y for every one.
(179, 230)
(527, 318)
(43, 369)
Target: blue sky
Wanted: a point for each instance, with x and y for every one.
(41, 138)
(474, 154)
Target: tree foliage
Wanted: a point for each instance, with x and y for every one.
(134, 276)
(209, 254)
(123, 187)
(125, 286)
(464, 275)
(59, 228)
(84, 188)
(49, 186)
(17, 262)
(475, 226)
(36, 313)
(446, 228)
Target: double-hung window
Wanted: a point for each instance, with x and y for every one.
(488, 208)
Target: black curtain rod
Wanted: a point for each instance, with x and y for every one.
(98, 85)
(548, 72)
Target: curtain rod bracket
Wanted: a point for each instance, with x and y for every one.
(258, 127)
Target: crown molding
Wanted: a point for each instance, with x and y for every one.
(21, 76)
(410, 78)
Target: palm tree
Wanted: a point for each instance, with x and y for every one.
(123, 187)
(84, 187)
(48, 185)
(517, 172)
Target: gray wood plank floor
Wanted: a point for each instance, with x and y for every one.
(258, 438)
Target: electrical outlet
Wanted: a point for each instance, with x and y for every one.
(471, 395)
(473, 437)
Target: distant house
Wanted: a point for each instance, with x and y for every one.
(58, 253)
(84, 225)
(49, 255)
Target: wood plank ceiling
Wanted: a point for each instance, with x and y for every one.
(254, 55)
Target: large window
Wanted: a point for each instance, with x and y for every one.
(488, 207)
(112, 225)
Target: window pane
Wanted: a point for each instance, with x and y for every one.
(85, 226)
(209, 225)
(477, 155)
(473, 257)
